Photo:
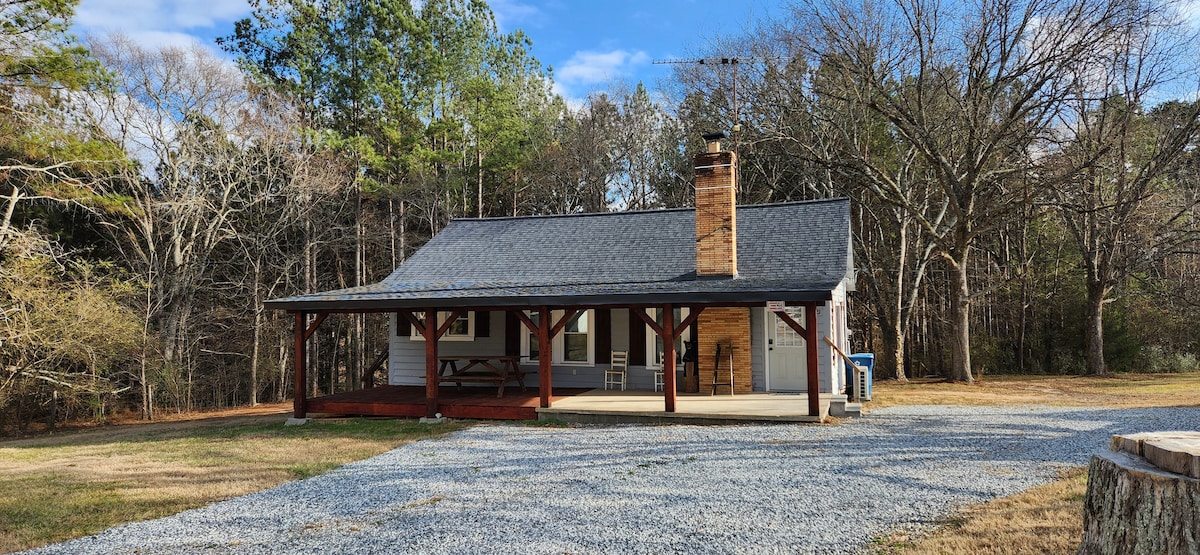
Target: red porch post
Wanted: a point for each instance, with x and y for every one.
(300, 364)
(545, 355)
(668, 335)
(431, 361)
(814, 377)
(668, 331)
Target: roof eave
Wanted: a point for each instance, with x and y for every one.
(386, 305)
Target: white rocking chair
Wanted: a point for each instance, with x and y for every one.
(658, 374)
(615, 375)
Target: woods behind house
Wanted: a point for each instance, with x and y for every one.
(1024, 178)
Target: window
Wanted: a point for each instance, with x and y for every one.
(654, 342)
(576, 338)
(574, 345)
(785, 336)
(463, 329)
(530, 347)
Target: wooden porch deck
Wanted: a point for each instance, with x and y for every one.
(409, 401)
(572, 405)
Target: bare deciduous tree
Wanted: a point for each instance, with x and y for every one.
(1123, 209)
(977, 89)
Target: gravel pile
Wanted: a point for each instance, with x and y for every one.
(652, 489)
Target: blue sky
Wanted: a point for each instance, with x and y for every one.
(589, 44)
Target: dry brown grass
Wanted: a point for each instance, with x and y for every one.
(65, 486)
(1123, 391)
(1046, 519)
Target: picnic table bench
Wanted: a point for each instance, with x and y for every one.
(498, 370)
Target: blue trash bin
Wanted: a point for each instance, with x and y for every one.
(865, 360)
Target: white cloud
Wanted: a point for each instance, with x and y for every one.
(575, 103)
(132, 16)
(155, 40)
(587, 67)
(159, 23)
(208, 13)
(514, 14)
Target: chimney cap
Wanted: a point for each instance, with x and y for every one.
(713, 137)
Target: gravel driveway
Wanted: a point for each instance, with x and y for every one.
(652, 489)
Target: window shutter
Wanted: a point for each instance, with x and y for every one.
(637, 339)
(404, 328)
(483, 323)
(603, 336)
(512, 334)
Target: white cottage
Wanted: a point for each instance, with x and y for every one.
(747, 292)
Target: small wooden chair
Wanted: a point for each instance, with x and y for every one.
(615, 375)
(658, 376)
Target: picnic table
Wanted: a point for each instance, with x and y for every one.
(482, 369)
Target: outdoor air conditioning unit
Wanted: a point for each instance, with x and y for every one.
(863, 385)
(866, 368)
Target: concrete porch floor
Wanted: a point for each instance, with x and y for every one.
(599, 406)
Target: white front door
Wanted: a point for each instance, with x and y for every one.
(788, 353)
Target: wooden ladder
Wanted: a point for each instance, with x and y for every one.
(724, 350)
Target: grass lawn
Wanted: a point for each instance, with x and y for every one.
(66, 486)
(1045, 519)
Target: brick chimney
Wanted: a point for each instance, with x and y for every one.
(716, 214)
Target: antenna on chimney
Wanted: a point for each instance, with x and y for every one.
(726, 61)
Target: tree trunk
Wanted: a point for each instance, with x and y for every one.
(886, 359)
(1133, 507)
(893, 334)
(893, 347)
(1095, 329)
(52, 419)
(284, 367)
(479, 184)
(960, 309)
(258, 317)
(6, 221)
(1023, 324)
(392, 230)
(147, 398)
(357, 342)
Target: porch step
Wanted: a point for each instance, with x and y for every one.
(839, 406)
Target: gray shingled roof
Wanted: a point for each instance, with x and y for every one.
(797, 251)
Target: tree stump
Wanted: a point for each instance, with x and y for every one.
(1144, 496)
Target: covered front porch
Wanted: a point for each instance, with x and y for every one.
(539, 398)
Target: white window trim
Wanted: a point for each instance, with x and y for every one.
(652, 346)
(441, 319)
(558, 344)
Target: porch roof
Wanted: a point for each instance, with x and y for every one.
(796, 251)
